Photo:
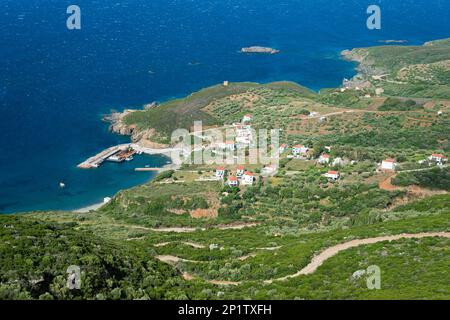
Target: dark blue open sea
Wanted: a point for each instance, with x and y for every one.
(55, 84)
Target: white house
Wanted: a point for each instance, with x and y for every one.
(328, 148)
(230, 145)
(338, 162)
(438, 158)
(269, 170)
(240, 171)
(324, 158)
(379, 91)
(248, 178)
(226, 83)
(388, 164)
(334, 175)
(247, 118)
(282, 148)
(233, 181)
(300, 149)
(220, 172)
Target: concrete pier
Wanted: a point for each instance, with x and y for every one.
(97, 160)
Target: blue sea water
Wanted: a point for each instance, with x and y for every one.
(55, 83)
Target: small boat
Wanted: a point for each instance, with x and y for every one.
(62, 185)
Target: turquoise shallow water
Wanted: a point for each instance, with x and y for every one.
(56, 84)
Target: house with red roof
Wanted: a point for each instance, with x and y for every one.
(333, 175)
(240, 171)
(299, 149)
(438, 158)
(282, 148)
(247, 118)
(388, 164)
(324, 158)
(248, 178)
(233, 181)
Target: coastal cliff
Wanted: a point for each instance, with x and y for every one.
(119, 126)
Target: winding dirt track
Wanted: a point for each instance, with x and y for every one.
(318, 260)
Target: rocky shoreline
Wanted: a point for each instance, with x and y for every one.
(141, 137)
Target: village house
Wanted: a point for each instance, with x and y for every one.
(230, 145)
(233, 181)
(338, 162)
(438, 158)
(247, 118)
(282, 148)
(240, 171)
(248, 178)
(324, 158)
(226, 83)
(328, 148)
(299, 149)
(333, 175)
(244, 134)
(220, 172)
(269, 170)
(379, 91)
(388, 164)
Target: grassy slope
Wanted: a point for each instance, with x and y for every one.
(35, 256)
(181, 113)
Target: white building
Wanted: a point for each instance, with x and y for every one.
(233, 181)
(324, 158)
(247, 118)
(248, 178)
(379, 91)
(300, 149)
(338, 162)
(282, 148)
(220, 172)
(333, 175)
(438, 158)
(269, 170)
(230, 145)
(226, 83)
(388, 164)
